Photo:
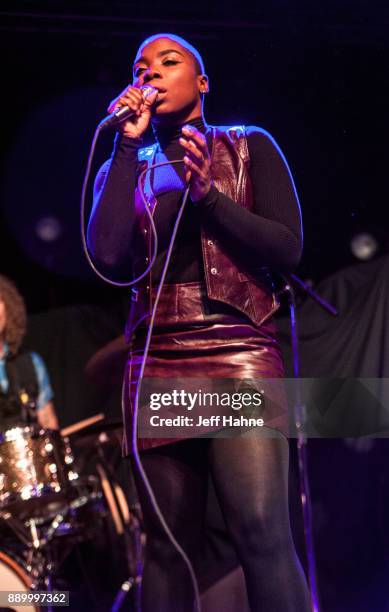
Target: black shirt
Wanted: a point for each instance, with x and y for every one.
(270, 235)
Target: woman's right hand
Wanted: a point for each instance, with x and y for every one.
(133, 97)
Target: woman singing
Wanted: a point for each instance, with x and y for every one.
(214, 319)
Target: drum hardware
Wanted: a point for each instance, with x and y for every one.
(123, 592)
(19, 528)
(127, 522)
(37, 545)
(39, 490)
(28, 405)
(35, 568)
(50, 505)
(36, 542)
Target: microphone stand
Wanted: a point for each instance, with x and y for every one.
(300, 420)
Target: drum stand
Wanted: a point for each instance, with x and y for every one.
(41, 556)
(41, 564)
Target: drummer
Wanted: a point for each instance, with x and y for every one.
(25, 391)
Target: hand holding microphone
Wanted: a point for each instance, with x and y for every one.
(131, 110)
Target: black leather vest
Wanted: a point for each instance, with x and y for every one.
(251, 290)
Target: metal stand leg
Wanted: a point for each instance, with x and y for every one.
(300, 417)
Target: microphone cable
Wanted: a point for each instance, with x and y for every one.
(134, 445)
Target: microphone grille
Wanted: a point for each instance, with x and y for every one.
(147, 90)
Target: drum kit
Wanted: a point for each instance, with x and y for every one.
(60, 489)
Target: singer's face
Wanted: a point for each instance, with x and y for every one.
(170, 68)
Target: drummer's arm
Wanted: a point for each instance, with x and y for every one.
(45, 413)
(47, 417)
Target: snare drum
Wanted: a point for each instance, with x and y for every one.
(36, 474)
(13, 577)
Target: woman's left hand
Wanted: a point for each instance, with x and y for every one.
(197, 162)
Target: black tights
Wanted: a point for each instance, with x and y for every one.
(250, 475)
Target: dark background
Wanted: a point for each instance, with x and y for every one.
(315, 75)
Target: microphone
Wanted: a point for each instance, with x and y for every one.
(123, 112)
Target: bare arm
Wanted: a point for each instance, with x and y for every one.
(47, 417)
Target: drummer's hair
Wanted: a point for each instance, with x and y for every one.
(15, 311)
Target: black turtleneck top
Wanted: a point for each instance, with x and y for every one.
(270, 235)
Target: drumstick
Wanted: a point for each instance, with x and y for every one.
(122, 503)
(66, 431)
(110, 499)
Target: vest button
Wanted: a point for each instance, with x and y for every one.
(145, 231)
(213, 270)
(210, 242)
(146, 259)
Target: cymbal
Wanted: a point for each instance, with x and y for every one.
(100, 433)
(95, 429)
(106, 367)
(89, 431)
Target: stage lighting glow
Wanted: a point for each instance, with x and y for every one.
(48, 229)
(364, 246)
